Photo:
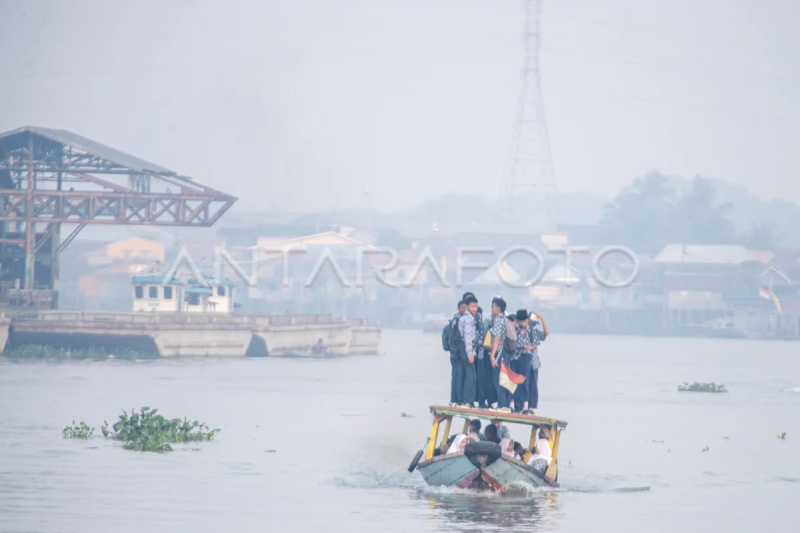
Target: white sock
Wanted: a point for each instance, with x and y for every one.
(525, 405)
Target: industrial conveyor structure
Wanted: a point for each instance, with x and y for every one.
(50, 177)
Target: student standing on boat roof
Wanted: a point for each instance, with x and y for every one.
(484, 390)
(498, 355)
(521, 359)
(466, 327)
(537, 337)
(455, 370)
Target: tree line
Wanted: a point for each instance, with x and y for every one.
(652, 214)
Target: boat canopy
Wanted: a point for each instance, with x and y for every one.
(486, 414)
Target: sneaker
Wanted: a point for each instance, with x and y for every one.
(453, 404)
(467, 405)
(504, 410)
(529, 412)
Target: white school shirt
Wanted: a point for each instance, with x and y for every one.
(543, 451)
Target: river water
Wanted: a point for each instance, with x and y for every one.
(631, 459)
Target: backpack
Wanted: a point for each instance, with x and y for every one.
(451, 336)
(487, 337)
(511, 337)
(446, 337)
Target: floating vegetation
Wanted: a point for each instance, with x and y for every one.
(782, 436)
(702, 387)
(38, 351)
(78, 431)
(706, 449)
(149, 431)
(405, 415)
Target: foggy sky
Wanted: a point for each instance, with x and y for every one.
(300, 104)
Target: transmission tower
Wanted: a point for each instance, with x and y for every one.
(529, 181)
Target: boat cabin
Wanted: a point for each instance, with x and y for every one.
(210, 296)
(154, 293)
(453, 469)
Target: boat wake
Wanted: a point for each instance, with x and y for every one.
(396, 476)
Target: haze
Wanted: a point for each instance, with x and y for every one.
(301, 104)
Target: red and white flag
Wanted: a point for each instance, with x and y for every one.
(510, 379)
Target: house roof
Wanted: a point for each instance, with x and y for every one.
(730, 254)
(20, 135)
(319, 239)
(763, 256)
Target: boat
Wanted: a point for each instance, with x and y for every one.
(481, 465)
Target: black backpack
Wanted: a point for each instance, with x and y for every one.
(451, 336)
(446, 337)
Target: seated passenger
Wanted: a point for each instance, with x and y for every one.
(519, 450)
(459, 442)
(441, 450)
(475, 427)
(491, 434)
(507, 448)
(540, 460)
(502, 430)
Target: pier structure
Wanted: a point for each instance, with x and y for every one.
(54, 177)
(180, 334)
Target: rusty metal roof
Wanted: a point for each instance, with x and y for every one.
(17, 138)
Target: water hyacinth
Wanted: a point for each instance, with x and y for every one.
(702, 387)
(149, 431)
(78, 431)
(37, 351)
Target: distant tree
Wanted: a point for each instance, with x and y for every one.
(704, 221)
(644, 217)
(650, 216)
(761, 236)
(389, 238)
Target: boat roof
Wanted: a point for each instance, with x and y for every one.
(159, 280)
(487, 414)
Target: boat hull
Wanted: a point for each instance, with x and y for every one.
(456, 470)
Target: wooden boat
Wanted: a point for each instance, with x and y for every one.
(479, 465)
